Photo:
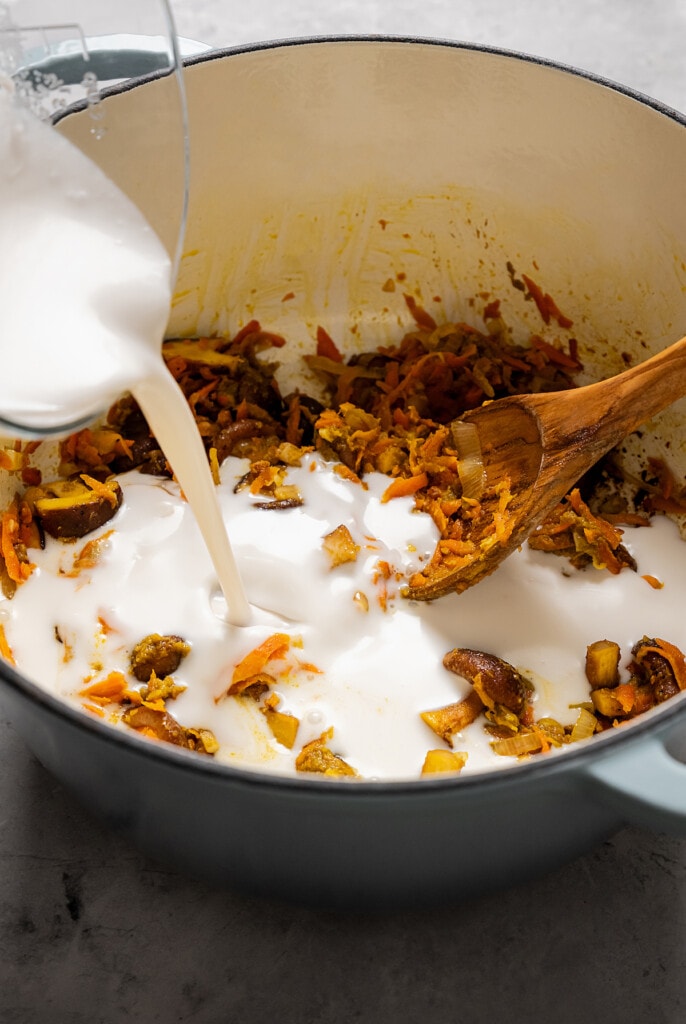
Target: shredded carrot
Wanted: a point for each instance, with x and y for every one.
(105, 626)
(526, 715)
(90, 554)
(214, 466)
(347, 474)
(93, 709)
(654, 582)
(113, 689)
(308, 666)
(103, 490)
(384, 570)
(392, 378)
(626, 518)
(665, 477)
(327, 347)
(658, 503)
(252, 327)
(545, 742)
(177, 366)
(266, 477)
(29, 533)
(675, 658)
(201, 393)
(554, 355)
(5, 649)
(242, 410)
(403, 487)
(449, 545)
(420, 315)
(625, 693)
(271, 649)
(547, 306)
(667, 498)
(293, 432)
(17, 570)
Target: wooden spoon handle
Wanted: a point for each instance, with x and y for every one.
(580, 425)
(641, 392)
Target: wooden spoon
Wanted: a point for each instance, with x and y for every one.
(544, 443)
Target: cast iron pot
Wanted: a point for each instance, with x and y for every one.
(323, 168)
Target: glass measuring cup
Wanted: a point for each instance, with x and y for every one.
(65, 72)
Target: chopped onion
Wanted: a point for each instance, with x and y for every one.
(515, 746)
(584, 726)
(470, 463)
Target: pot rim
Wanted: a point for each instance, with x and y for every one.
(220, 53)
(657, 721)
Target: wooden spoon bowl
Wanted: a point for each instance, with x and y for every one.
(544, 443)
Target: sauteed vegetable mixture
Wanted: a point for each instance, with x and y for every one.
(389, 411)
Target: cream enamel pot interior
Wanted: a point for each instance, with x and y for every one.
(322, 168)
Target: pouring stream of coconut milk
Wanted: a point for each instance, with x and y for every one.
(85, 292)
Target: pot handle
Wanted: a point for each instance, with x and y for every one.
(646, 785)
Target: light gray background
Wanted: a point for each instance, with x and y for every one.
(92, 933)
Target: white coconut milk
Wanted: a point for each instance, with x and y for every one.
(85, 291)
(366, 674)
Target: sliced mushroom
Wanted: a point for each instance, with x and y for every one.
(159, 654)
(67, 509)
(662, 665)
(495, 680)
(160, 725)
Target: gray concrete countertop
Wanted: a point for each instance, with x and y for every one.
(93, 933)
